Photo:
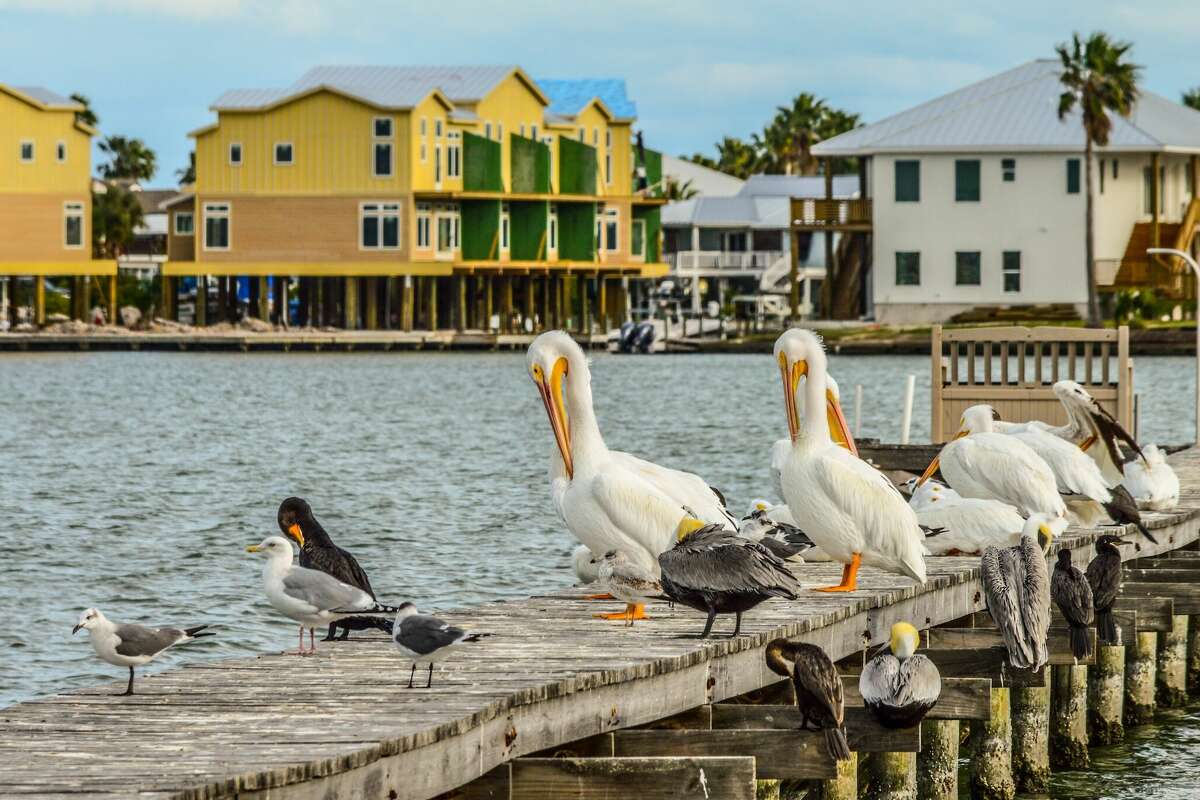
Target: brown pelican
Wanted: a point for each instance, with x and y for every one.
(899, 687)
(1016, 589)
(1071, 593)
(421, 636)
(128, 645)
(627, 581)
(1104, 578)
(818, 690)
(714, 570)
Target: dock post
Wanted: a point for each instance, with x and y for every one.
(1068, 723)
(460, 303)
(1106, 695)
(1031, 739)
(39, 300)
(407, 311)
(1171, 670)
(937, 763)
(891, 776)
(112, 299)
(530, 305)
(201, 317)
(433, 304)
(844, 786)
(372, 290)
(1193, 656)
(991, 761)
(1140, 679)
(547, 323)
(488, 303)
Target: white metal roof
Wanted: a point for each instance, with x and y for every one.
(762, 203)
(48, 98)
(1016, 110)
(704, 180)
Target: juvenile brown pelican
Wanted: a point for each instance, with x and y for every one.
(1104, 578)
(818, 690)
(1073, 596)
(421, 636)
(1016, 589)
(128, 645)
(899, 687)
(712, 569)
(317, 551)
(627, 581)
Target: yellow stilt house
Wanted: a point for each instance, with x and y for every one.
(422, 197)
(46, 204)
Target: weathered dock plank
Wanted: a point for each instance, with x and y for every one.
(343, 722)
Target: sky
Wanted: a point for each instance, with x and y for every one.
(698, 70)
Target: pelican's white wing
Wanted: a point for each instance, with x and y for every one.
(1000, 467)
(1074, 470)
(1152, 482)
(685, 488)
(970, 524)
(636, 508)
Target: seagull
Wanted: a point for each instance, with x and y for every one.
(1016, 589)
(310, 597)
(128, 645)
(781, 538)
(714, 570)
(419, 635)
(818, 686)
(901, 686)
(1104, 578)
(1071, 593)
(627, 581)
(317, 551)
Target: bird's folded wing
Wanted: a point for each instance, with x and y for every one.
(425, 634)
(138, 640)
(878, 679)
(324, 592)
(1000, 577)
(821, 679)
(718, 561)
(919, 681)
(684, 488)
(637, 508)
(1073, 596)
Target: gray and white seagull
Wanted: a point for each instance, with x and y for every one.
(129, 645)
(422, 636)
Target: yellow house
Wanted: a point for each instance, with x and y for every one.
(422, 197)
(45, 197)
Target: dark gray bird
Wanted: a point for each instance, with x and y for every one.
(784, 540)
(818, 690)
(127, 645)
(317, 551)
(421, 636)
(1104, 578)
(714, 570)
(901, 686)
(1071, 593)
(1124, 510)
(1016, 588)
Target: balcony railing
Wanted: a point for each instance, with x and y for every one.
(816, 214)
(723, 259)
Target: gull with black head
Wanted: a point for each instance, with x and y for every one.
(422, 636)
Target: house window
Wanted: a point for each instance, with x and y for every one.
(437, 128)
(637, 238)
(908, 269)
(380, 226)
(216, 226)
(966, 268)
(1012, 270)
(612, 220)
(1115, 164)
(60, 152)
(522, 129)
(908, 181)
(504, 227)
(487, 130)
(424, 139)
(235, 154)
(533, 132)
(966, 181)
(552, 231)
(583, 134)
(1072, 176)
(1189, 181)
(382, 162)
(1008, 169)
(73, 226)
(447, 229)
(283, 154)
(437, 165)
(454, 155)
(1148, 189)
(595, 137)
(27, 151)
(383, 127)
(608, 155)
(423, 219)
(1101, 165)
(184, 224)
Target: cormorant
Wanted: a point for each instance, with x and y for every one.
(818, 690)
(1073, 596)
(1104, 577)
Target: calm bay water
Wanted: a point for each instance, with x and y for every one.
(134, 481)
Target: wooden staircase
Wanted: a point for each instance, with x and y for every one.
(1168, 277)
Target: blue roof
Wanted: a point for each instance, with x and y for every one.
(568, 97)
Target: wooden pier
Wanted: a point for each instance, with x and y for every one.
(557, 704)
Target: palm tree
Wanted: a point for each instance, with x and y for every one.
(738, 158)
(1096, 78)
(679, 190)
(116, 214)
(130, 159)
(1191, 97)
(87, 116)
(789, 138)
(187, 175)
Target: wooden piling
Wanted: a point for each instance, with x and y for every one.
(433, 304)
(891, 776)
(937, 763)
(39, 300)
(372, 305)
(1031, 739)
(1068, 718)
(1193, 656)
(844, 786)
(991, 760)
(201, 318)
(1106, 695)
(460, 303)
(1140, 678)
(1171, 669)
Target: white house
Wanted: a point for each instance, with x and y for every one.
(977, 198)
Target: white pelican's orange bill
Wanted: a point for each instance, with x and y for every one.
(839, 429)
(552, 399)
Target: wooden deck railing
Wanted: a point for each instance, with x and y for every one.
(1014, 369)
(819, 213)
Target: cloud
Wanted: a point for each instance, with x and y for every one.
(290, 16)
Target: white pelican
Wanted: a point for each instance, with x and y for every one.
(846, 506)
(1016, 589)
(1151, 481)
(978, 462)
(900, 687)
(970, 523)
(609, 500)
